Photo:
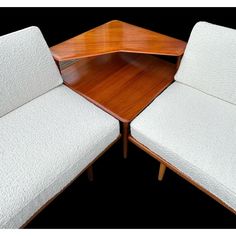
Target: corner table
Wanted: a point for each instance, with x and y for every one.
(117, 68)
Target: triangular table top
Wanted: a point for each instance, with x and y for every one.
(117, 36)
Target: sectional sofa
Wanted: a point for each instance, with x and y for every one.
(49, 134)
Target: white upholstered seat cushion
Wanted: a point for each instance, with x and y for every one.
(209, 61)
(27, 69)
(43, 146)
(196, 133)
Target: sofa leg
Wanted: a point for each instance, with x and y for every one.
(125, 139)
(90, 173)
(162, 170)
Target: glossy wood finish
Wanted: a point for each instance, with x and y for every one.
(122, 84)
(117, 36)
(119, 82)
(85, 169)
(178, 62)
(177, 171)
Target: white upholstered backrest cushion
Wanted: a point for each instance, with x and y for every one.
(209, 61)
(27, 69)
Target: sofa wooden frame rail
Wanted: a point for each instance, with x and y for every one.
(89, 170)
(164, 164)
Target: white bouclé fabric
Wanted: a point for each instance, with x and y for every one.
(209, 61)
(196, 133)
(27, 68)
(44, 145)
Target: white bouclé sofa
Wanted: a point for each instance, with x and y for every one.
(191, 126)
(48, 133)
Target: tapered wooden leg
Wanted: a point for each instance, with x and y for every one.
(58, 65)
(161, 172)
(178, 62)
(125, 139)
(90, 173)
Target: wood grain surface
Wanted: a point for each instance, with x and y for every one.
(117, 36)
(122, 84)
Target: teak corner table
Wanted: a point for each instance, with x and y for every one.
(115, 70)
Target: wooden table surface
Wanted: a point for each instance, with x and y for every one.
(114, 71)
(122, 84)
(117, 36)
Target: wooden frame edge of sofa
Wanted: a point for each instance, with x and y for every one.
(178, 172)
(90, 177)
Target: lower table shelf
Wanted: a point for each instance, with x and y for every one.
(122, 84)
